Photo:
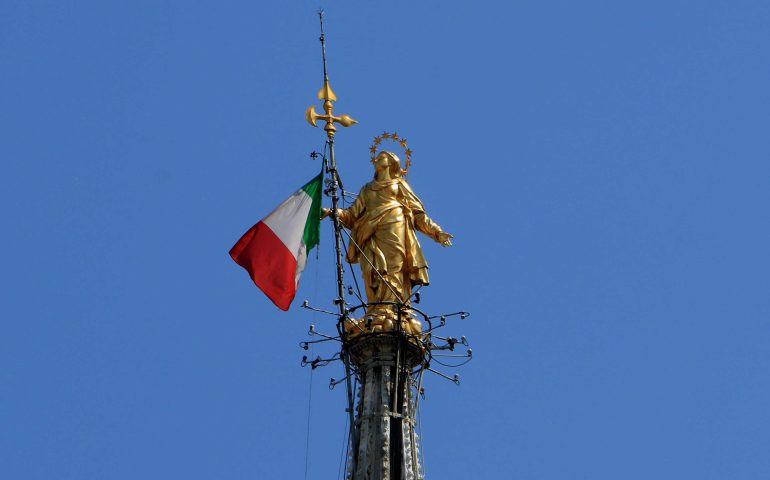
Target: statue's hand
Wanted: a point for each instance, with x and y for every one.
(444, 239)
(325, 212)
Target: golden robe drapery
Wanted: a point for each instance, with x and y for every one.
(383, 221)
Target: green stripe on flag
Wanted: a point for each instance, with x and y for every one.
(312, 234)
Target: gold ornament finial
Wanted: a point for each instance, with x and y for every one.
(394, 138)
(328, 96)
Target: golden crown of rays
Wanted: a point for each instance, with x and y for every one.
(394, 138)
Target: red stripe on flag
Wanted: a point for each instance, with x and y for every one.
(270, 264)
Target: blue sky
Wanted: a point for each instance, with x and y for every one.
(602, 165)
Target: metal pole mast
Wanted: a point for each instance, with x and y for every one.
(327, 95)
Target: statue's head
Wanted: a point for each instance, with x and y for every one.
(387, 161)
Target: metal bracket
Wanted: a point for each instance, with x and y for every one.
(455, 379)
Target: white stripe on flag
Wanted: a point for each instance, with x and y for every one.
(288, 220)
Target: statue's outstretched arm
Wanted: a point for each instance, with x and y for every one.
(423, 223)
(348, 215)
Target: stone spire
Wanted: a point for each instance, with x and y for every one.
(385, 441)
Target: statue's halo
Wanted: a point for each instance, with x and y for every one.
(395, 138)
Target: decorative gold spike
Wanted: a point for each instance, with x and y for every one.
(346, 121)
(328, 96)
(326, 92)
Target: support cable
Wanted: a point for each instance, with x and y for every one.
(344, 449)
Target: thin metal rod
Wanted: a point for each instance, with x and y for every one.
(335, 186)
(323, 42)
(419, 287)
(335, 195)
(307, 306)
(455, 379)
(333, 382)
(341, 285)
(463, 315)
(434, 355)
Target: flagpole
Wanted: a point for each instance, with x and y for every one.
(327, 95)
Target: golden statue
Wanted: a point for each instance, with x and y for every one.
(382, 222)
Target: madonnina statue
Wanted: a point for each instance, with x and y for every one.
(383, 221)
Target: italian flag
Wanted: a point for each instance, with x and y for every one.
(274, 251)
